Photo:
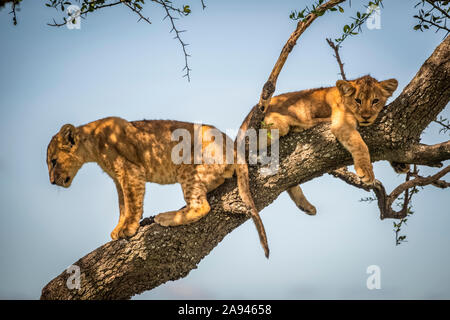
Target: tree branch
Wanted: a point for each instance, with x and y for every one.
(155, 255)
(302, 25)
(138, 12)
(418, 181)
(338, 57)
(432, 3)
(177, 36)
(385, 201)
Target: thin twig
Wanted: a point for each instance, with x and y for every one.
(338, 58)
(13, 11)
(438, 8)
(446, 126)
(138, 12)
(177, 36)
(55, 24)
(433, 24)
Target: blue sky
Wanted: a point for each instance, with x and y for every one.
(115, 66)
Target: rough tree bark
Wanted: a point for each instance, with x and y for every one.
(155, 255)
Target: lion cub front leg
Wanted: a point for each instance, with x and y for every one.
(115, 232)
(131, 191)
(350, 138)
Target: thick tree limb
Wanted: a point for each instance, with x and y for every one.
(155, 255)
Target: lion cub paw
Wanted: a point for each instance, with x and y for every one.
(169, 219)
(130, 229)
(117, 233)
(365, 173)
(124, 231)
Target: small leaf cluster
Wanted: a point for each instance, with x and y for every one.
(268, 127)
(400, 238)
(433, 14)
(354, 28)
(302, 15)
(444, 123)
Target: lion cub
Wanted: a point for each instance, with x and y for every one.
(132, 153)
(347, 105)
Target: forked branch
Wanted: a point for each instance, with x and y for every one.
(385, 200)
(302, 25)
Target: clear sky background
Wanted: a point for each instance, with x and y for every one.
(114, 66)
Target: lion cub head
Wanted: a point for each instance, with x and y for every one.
(365, 97)
(64, 157)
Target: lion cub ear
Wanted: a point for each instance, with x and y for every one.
(345, 88)
(389, 86)
(68, 135)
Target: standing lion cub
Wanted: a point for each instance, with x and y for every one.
(132, 153)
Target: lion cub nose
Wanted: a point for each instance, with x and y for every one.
(365, 117)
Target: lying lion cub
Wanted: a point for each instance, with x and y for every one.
(347, 105)
(132, 153)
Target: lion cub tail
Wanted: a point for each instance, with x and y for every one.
(244, 192)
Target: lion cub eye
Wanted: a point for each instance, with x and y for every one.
(374, 101)
(53, 163)
(358, 101)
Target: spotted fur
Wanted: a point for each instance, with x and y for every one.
(132, 153)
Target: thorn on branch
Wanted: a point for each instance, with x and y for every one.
(168, 8)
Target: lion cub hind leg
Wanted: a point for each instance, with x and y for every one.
(196, 209)
(300, 200)
(194, 191)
